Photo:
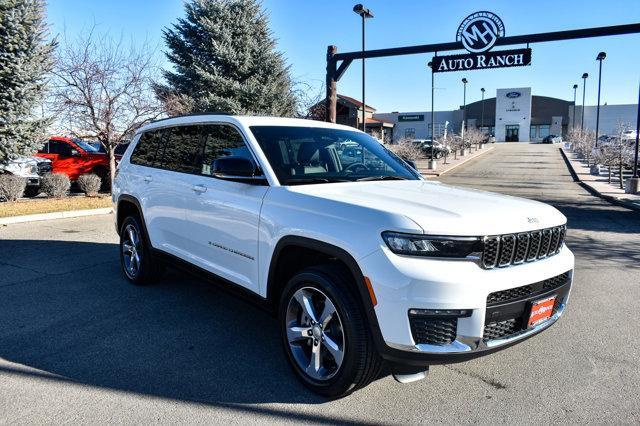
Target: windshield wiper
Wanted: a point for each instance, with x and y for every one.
(384, 177)
(303, 181)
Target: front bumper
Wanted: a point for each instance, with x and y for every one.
(403, 283)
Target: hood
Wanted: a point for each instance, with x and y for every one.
(443, 209)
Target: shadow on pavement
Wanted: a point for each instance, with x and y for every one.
(183, 338)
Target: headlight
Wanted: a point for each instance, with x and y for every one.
(432, 246)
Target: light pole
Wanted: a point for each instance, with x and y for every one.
(482, 114)
(600, 58)
(464, 107)
(432, 164)
(364, 13)
(584, 88)
(634, 182)
(575, 87)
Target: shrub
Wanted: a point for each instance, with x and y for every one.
(89, 184)
(12, 187)
(55, 185)
(406, 150)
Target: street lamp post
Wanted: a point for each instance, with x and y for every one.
(432, 163)
(364, 13)
(584, 89)
(575, 87)
(634, 182)
(464, 106)
(482, 114)
(600, 58)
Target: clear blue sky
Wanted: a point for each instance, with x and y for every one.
(305, 28)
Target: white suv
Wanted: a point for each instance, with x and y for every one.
(368, 267)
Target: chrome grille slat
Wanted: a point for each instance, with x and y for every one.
(507, 249)
(515, 249)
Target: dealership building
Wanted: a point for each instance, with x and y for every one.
(513, 115)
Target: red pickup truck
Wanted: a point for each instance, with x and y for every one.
(75, 157)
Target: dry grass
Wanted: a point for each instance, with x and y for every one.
(49, 205)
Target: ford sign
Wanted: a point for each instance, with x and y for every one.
(513, 95)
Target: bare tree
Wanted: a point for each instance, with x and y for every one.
(474, 136)
(310, 100)
(102, 90)
(406, 150)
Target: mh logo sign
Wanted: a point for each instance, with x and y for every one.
(480, 31)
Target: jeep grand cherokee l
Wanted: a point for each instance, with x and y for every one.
(368, 266)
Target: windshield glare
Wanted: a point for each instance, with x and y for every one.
(304, 155)
(89, 147)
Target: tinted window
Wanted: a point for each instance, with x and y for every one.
(58, 147)
(145, 152)
(301, 155)
(220, 140)
(180, 147)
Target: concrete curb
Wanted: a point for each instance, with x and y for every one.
(54, 215)
(478, 154)
(593, 191)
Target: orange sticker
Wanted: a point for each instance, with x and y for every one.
(541, 311)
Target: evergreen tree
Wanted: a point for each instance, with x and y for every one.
(25, 59)
(224, 59)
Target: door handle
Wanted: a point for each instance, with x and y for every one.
(148, 179)
(199, 188)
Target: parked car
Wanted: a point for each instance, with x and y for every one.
(367, 268)
(552, 139)
(426, 145)
(30, 168)
(75, 157)
(489, 139)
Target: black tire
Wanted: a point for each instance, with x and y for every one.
(148, 270)
(361, 363)
(105, 178)
(438, 155)
(31, 191)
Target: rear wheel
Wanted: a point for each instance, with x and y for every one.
(324, 332)
(138, 264)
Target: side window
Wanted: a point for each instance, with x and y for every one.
(60, 148)
(221, 140)
(145, 151)
(181, 149)
(44, 149)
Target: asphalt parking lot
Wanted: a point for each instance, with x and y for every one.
(78, 344)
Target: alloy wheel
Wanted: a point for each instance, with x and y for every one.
(315, 333)
(131, 251)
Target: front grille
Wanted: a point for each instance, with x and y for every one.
(525, 291)
(500, 329)
(433, 331)
(513, 249)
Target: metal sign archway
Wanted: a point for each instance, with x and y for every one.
(337, 63)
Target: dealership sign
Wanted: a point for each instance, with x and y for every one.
(478, 33)
(411, 117)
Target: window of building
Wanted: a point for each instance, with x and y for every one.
(543, 130)
(532, 132)
(410, 133)
(439, 130)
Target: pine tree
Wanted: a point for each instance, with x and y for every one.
(225, 59)
(25, 59)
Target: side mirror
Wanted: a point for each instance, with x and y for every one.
(236, 168)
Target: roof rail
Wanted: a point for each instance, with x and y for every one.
(192, 115)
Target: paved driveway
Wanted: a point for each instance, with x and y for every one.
(78, 344)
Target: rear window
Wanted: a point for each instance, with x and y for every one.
(144, 153)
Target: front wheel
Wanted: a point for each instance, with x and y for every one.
(325, 334)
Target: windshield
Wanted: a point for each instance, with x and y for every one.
(87, 146)
(304, 155)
